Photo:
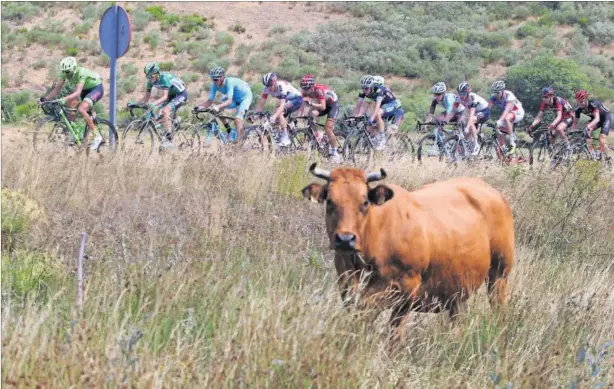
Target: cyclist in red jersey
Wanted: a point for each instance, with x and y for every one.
(564, 115)
(322, 101)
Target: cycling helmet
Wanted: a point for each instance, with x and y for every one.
(366, 82)
(378, 80)
(217, 72)
(547, 91)
(68, 65)
(151, 68)
(268, 79)
(439, 88)
(464, 87)
(581, 94)
(307, 81)
(497, 86)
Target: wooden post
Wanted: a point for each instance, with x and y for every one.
(80, 272)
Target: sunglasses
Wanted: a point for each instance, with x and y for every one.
(463, 94)
(216, 79)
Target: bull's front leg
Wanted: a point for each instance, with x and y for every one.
(346, 274)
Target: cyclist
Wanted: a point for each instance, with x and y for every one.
(238, 94)
(322, 101)
(386, 105)
(600, 118)
(87, 87)
(477, 111)
(174, 95)
(564, 115)
(512, 112)
(290, 101)
(447, 101)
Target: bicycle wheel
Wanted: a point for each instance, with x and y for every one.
(49, 132)
(186, 138)
(107, 131)
(399, 146)
(138, 138)
(259, 140)
(427, 147)
(489, 152)
(454, 150)
(539, 152)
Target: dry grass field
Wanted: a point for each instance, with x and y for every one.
(209, 273)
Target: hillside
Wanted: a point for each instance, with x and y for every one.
(412, 44)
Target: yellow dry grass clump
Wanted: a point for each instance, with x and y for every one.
(211, 273)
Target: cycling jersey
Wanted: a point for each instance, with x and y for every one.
(89, 78)
(322, 93)
(379, 92)
(234, 88)
(472, 100)
(591, 110)
(560, 105)
(447, 102)
(282, 90)
(170, 82)
(506, 98)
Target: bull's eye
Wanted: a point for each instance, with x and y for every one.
(364, 206)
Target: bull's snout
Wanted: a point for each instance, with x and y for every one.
(345, 241)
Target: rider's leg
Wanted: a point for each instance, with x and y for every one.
(91, 97)
(72, 103)
(166, 119)
(561, 129)
(603, 136)
(399, 116)
(242, 109)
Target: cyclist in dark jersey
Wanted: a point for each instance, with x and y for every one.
(386, 105)
(601, 118)
(564, 115)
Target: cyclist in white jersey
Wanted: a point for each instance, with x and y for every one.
(477, 112)
(512, 111)
(290, 100)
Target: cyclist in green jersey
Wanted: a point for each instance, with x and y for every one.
(87, 87)
(174, 95)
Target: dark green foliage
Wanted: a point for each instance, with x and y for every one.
(18, 106)
(167, 66)
(191, 23)
(18, 11)
(527, 79)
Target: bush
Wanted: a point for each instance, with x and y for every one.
(140, 19)
(18, 106)
(18, 11)
(191, 23)
(527, 79)
(223, 38)
(170, 20)
(167, 66)
(72, 51)
(152, 38)
(239, 29)
(129, 69)
(157, 12)
(83, 28)
(600, 32)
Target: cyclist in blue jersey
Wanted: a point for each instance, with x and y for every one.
(237, 94)
(386, 105)
(446, 100)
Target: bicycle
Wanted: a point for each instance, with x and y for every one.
(147, 130)
(457, 147)
(492, 150)
(64, 129)
(578, 150)
(432, 145)
(306, 138)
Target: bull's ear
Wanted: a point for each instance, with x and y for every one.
(314, 192)
(380, 194)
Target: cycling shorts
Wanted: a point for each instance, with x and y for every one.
(176, 102)
(332, 110)
(92, 95)
(292, 105)
(242, 106)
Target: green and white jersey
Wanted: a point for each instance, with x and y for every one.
(89, 78)
(170, 82)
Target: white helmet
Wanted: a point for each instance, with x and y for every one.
(68, 65)
(378, 80)
(366, 82)
(217, 72)
(497, 86)
(438, 88)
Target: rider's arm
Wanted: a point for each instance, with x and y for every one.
(508, 109)
(76, 93)
(56, 90)
(321, 105)
(261, 103)
(592, 125)
(280, 109)
(538, 119)
(429, 117)
(559, 115)
(162, 98)
(359, 104)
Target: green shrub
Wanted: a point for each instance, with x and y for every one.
(223, 38)
(83, 28)
(205, 62)
(169, 21)
(242, 54)
(191, 23)
(239, 29)
(72, 51)
(157, 12)
(601, 32)
(167, 66)
(222, 50)
(19, 12)
(18, 106)
(29, 275)
(140, 19)
(93, 10)
(127, 85)
(152, 38)
(128, 69)
(526, 79)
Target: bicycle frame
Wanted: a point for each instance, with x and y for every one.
(60, 113)
(217, 129)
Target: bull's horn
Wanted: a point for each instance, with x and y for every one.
(376, 176)
(320, 173)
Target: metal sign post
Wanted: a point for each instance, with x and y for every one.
(115, 34)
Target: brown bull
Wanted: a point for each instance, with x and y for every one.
(434, 246)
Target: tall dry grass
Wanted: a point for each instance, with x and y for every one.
(216, 274)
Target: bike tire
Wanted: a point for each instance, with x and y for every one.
(426, 147)
(138, 138)
(453, 149)
(187, 138)
(41, 137)
(398, 146)
(107, 130)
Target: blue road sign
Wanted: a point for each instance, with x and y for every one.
(115, 34)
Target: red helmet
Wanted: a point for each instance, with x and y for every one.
(581, 94)
(307, 81)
